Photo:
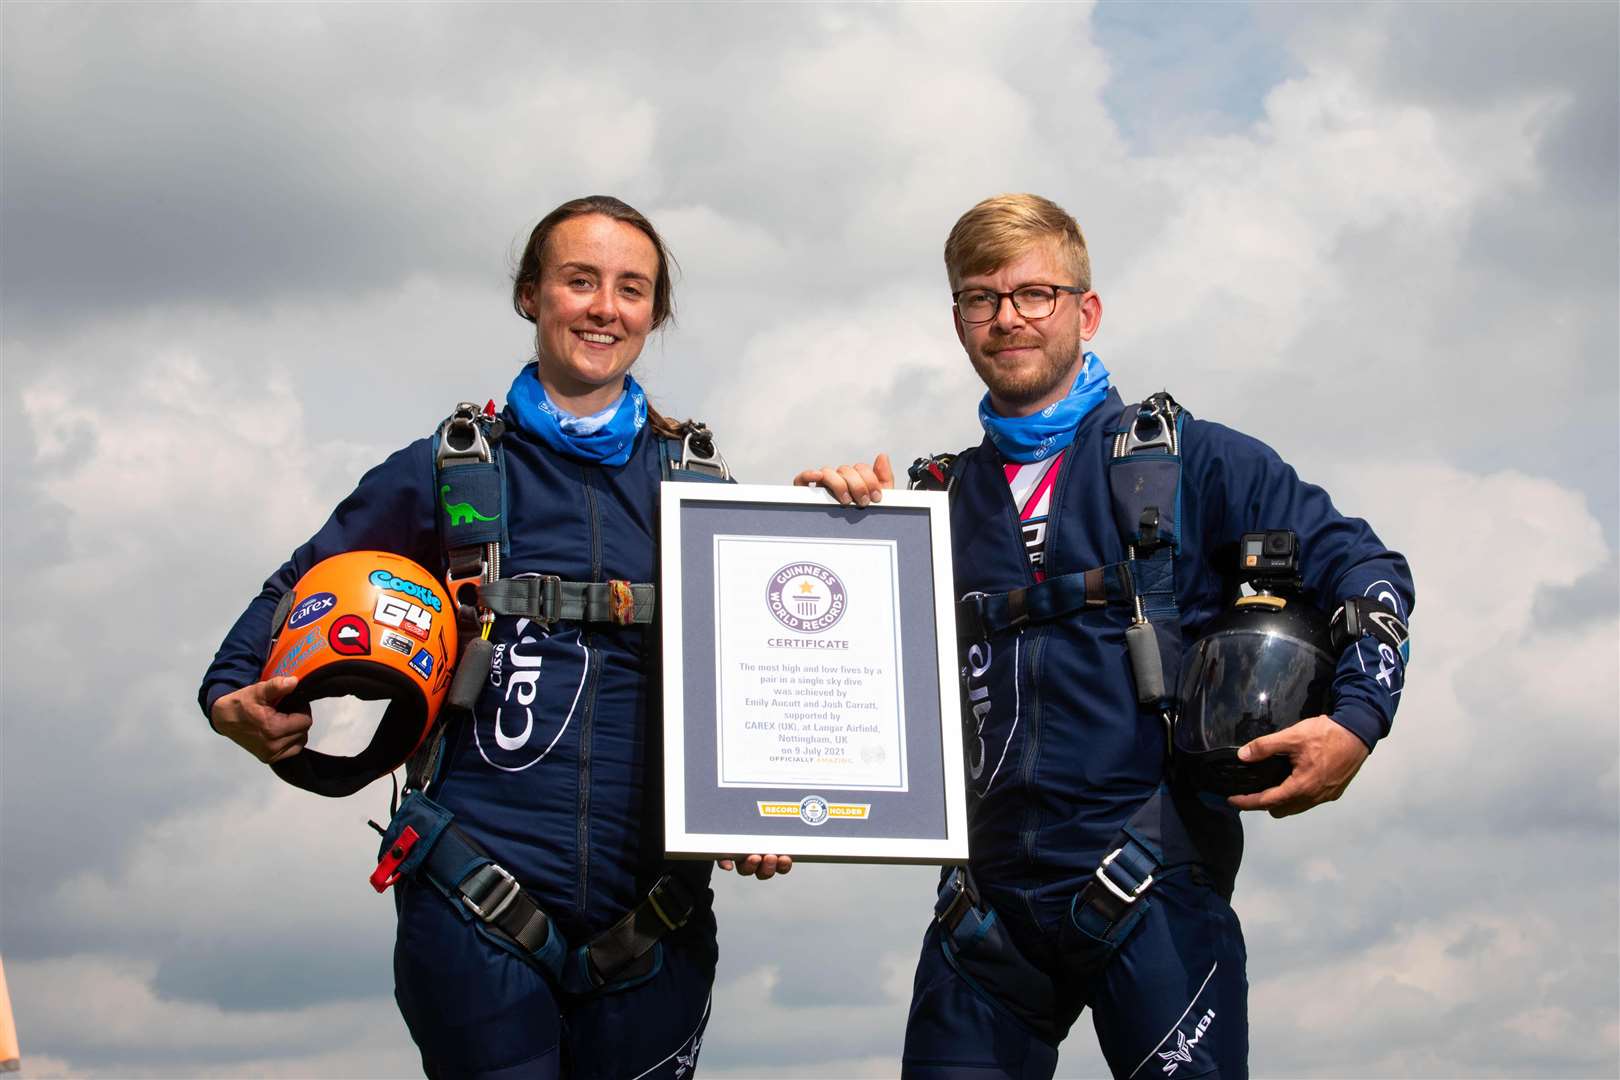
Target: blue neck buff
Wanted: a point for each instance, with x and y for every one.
(606, 437)
(1036, 437)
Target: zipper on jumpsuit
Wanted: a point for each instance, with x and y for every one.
(583, 834)
(1035, 641)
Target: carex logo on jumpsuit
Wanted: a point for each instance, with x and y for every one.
(516, 735)
(980, 708)
(1389, 666)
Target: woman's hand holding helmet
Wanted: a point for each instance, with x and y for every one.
(250, 719)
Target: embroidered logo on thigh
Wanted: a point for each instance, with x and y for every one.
(1183, 1053)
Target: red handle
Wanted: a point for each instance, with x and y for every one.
(387, 871)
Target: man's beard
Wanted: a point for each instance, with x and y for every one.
(1032, 382)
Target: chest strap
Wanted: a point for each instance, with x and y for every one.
(547, 598)
(980, 615)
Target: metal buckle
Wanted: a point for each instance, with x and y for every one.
(953, 912)
(698, 452)
(461, 437)
(1163, 438)
(455, 580)
(1108, 883)
(507, 897)
(660, 889)
(550, 599)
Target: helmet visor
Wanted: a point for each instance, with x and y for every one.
(1241, 684)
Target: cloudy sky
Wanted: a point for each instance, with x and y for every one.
(247, 250)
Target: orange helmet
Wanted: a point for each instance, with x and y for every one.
(375, 626)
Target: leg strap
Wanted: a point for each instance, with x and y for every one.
(623, 952)
(1153, 839)
(454, 864)
(978, 947)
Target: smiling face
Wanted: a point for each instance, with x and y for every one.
(592, 308)
(1029, 363)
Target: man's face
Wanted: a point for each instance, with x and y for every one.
(1029, 363)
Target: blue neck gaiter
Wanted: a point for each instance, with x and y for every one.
(606, 437)
(1036, 437)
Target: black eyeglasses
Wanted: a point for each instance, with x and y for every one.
(1031, 301)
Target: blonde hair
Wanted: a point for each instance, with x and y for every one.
(1002, 227)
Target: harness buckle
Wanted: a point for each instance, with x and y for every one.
(1161, 436)
(550, 599)
(698, 452)
(666, 887)
(949, 913)
(465, 571)
(461, 437)
(1108, 882)
(509, 892)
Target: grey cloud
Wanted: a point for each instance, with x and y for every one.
(1595, 596)
(239, 974)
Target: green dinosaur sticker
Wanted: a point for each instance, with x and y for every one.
(461, 513)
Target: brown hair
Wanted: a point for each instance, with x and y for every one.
(527, 274)
(1003, 227)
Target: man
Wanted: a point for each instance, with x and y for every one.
(1109, 881)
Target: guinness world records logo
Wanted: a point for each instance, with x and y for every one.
(813, 810)
(806, 597)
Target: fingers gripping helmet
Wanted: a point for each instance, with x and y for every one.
(1265, 664)
(375, 626)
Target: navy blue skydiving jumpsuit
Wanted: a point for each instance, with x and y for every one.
(555, 777)
(1060, 756)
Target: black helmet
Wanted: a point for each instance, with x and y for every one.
(1265, 663)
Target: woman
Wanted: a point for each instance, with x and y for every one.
(551, 775)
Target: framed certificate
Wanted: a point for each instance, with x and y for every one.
(810, 696)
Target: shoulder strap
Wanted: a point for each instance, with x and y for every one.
(1144, 479)
(469, 488)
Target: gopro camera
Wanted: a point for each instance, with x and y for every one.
(1269, 558)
